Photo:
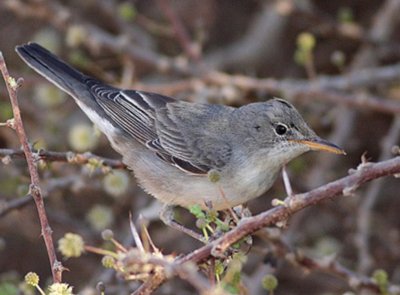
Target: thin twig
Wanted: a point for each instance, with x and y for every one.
(69, 157)
(34, 190)
(328, 88)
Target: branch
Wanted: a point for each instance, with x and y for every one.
(334, 89)
(68, 157)
(364, 173)
(34, 190)
(329, 88)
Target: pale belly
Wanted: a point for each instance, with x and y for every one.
(175, 187)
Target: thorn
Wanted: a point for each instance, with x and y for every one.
(135, 234)
(20, 81)
(286, 182)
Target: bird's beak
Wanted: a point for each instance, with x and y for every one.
(319, 144)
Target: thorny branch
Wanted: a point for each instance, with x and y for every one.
(364, 173)
(34, 190)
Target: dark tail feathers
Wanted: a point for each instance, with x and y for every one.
(51, 67)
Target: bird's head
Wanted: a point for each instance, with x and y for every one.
(276, 128)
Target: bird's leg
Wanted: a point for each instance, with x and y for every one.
(291, 197)
(289, 191)
(243, 211)
(167, 216)
(286, 182)
(230, 210)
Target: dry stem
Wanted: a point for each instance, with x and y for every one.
(34, 189)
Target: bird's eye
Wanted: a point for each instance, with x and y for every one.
(280, 129)
(257, 127)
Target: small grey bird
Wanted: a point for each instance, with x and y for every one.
(173, 146)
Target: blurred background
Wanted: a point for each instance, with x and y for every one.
(336, 61)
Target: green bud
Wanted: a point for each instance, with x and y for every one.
(306, 42)
(270, 282)
(197, 211)
(100, 217)
(223, 226)
(116, 183)
(108, 262)
(71, 245)
(31, 278)
(81, 137)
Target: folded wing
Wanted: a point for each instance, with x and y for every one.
(168, 127)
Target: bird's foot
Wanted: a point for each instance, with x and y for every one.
(167, 216)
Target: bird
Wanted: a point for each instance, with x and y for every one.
(173, 146)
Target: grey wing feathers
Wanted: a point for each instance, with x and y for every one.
(127, 113)
(159, 123)
(194, 133)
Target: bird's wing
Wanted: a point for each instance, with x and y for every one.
(165, 126)
(193, 134)
(129, 109)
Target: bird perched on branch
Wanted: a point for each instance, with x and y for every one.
(186, 153)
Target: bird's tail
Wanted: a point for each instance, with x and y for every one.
(51, 67)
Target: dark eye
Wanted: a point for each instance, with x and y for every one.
(257, 127)
(280, 129)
